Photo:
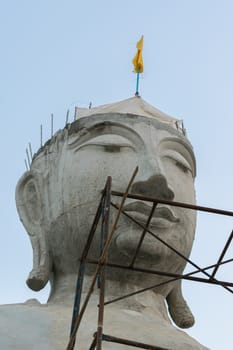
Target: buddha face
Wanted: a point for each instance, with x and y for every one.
(74, 171)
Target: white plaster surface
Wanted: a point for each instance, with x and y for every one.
(42, 327)
(57, 200)
(135, 105)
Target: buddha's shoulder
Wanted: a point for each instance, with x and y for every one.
(37, 326)
(32, 325)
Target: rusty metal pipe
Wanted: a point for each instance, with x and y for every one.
(163, 273)
(79, 282)
(222, 254)
(105, 229)
(175, 204)
(128, 342)
(143, 234)
(162, 283)
(172, 248)
(70, 345)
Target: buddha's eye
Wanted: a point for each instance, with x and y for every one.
(110, 147)
(179, 155)
(115, 148)
(179, 160)
(182, 166)
(108, 143)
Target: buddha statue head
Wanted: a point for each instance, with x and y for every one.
(58, 197)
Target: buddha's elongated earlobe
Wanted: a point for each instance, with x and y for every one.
(178, 308)
(30, 208)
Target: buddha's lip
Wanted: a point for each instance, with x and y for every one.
(159, 212)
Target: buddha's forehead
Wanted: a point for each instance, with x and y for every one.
(144, 133)
(136, 128)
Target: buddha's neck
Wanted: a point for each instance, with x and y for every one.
(63, 292)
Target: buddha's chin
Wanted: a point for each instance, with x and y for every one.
(151, 252)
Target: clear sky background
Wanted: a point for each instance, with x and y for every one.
(56, 55)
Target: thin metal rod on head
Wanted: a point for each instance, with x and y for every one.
(67, 116)
(30, 149)
(75, 113)
(29, 163)
(222, 254)
(102, 259)
(143, 234)
(175, 204)
(25, 162)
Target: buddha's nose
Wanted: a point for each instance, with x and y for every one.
(155, 186)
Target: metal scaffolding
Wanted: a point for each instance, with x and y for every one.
(107, 232)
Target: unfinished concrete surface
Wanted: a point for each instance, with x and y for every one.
(57, 200)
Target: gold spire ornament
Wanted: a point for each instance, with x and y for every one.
(137, 60)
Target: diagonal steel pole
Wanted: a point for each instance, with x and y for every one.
(170, 247)
(80, 278)
(222, 254)
(143, 234)
(132, 343)
(102, 258)
(93, 344)
(139, 291)
(175, 204)
(164, 273)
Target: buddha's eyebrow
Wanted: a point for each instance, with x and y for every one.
(106, 128)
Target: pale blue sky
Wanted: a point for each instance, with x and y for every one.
(58, 54)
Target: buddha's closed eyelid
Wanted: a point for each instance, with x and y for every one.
(108, 143)
(107, 146)
(179, 159)
(180, 152)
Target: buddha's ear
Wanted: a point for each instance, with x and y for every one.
(28, 201)
(30, 208)
(178, 308)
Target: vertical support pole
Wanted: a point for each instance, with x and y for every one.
(71, 343)
(137, 85)
(79, 283)
(78, 293)
(105, 231)
(102, 236)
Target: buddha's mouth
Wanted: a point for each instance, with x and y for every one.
(162, 217)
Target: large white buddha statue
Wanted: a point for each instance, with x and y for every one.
(57, 200)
